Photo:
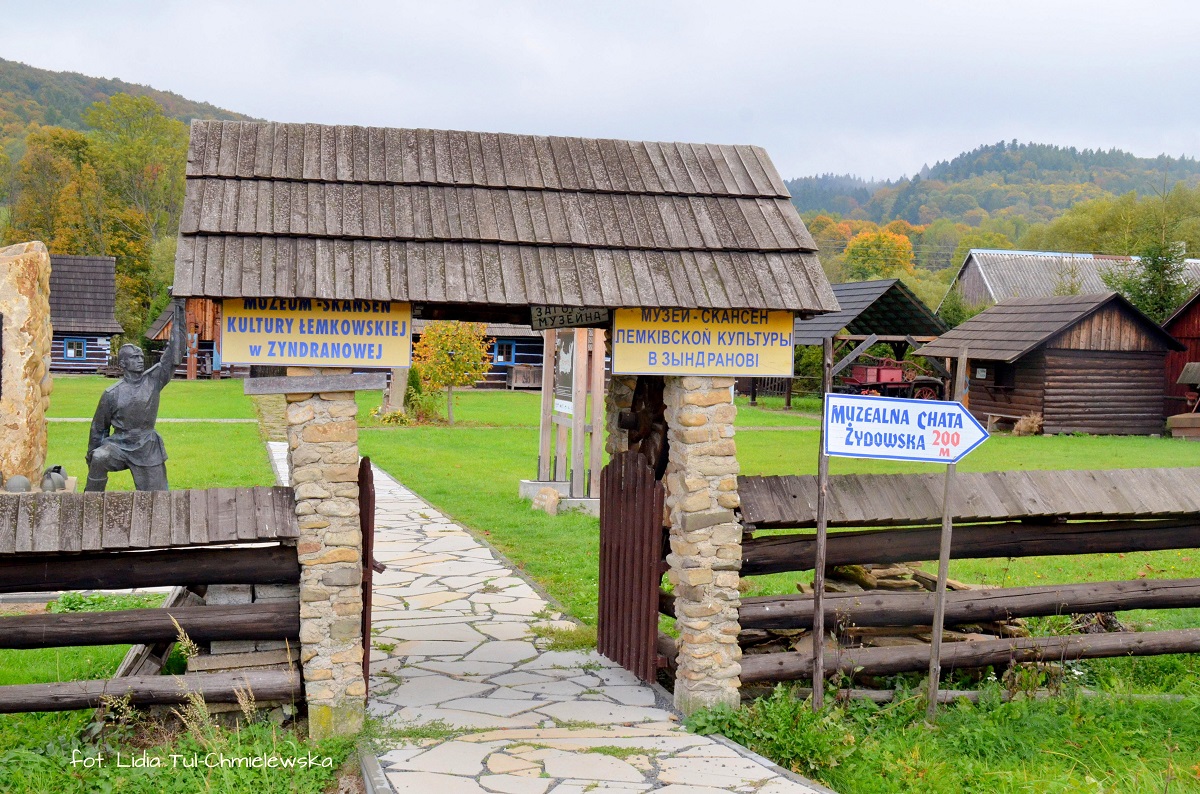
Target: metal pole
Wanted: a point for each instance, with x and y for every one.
(818, 697)
(939, 608)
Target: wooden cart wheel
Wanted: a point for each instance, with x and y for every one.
(926, 393)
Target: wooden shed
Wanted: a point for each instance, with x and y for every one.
(1086, 363)
(82, 301)
(1184, 325)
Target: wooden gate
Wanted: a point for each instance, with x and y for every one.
(631, 563)
(366, 522)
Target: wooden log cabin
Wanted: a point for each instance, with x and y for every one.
(82, 301)
(201, 357)
(512, 345)
(1086, 363)
(1184, 326)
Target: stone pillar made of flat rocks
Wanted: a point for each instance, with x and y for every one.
(323, 465)
(706, 539)
(25, 382)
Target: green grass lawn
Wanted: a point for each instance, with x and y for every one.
(77, 395)
(200, 455)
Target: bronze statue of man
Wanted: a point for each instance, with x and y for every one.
(123, 434)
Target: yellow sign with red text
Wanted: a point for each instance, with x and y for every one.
(719, 342)
(314, 332)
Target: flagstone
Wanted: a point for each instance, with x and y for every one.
(508, 651)
(515, 784)
(465, 719)
(428, 782)
(489, 705)
(600, 713)
(565, 659)
(460, 631)
(433, 648)
(503, 763)
(434, 689)
(522, 606)
(717, 771)
(452, 758)
(630, 695)
(505, 631)
(467, 667)
(564, 688)
(520, 677)
(590, 766)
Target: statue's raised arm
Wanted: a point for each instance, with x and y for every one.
(172, 355)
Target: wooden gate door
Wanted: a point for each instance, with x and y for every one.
(631, 563)
(366, 522)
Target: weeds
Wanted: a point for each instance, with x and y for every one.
(576, 638)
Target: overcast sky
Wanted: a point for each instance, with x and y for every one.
(872, 88)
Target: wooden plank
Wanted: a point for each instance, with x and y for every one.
(222, 515)
(180, 516)
(151, 690)
(197, 518)
(246, 517)
(70, 523)
(118, 513)
(285, 513)
(93, 520)
(114, 570)
(160, 519)
(45, 522)
(264, 511)
(140, 517)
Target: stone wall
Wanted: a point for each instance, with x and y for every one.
(618, 397)
(706, 539)
(323, 465)
(25, 382)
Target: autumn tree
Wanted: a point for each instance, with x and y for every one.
(878, 254)
(452, 354)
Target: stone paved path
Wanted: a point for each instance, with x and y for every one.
(454, 647)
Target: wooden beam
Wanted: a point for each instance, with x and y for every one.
(151, 690)
(934, 363)
(863, 346)
(266, 621)
(50, 573)
(305, 384)
(884, 608)
(781, 553)
(956, 655)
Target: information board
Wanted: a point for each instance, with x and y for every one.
(564, 373)
(861, 426)
(313, 332)
(543, 317)
(720, 342)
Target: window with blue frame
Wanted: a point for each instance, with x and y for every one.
(75, 348)
(503, 352)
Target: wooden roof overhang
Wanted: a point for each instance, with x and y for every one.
(479, 226)
(1013, 328)
(885, 308)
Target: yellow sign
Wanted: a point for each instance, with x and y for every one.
(723, 342)
(313, 332)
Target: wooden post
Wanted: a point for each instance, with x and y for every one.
(754, 391)
(939, 608)
(818, 667)
(545, 424)
(596, 438)
(579, 391)
(787, 395)
(193, 337)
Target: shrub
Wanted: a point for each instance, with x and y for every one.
(1028, 425)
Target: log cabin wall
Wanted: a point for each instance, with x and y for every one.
(1108, 392)
(973, 287)
(1184, 326)
(1007, 389)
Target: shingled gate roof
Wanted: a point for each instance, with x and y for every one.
(1036, 274)
(1012, 328)
(434, 216)
(83, 291)
(501, 330)
(872, 307)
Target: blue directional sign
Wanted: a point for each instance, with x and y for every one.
(859, 426)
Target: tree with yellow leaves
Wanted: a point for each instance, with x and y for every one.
(451, 354)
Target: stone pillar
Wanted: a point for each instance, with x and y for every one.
(25, 382)
(619, 397)
(706, 539)
(323, 465)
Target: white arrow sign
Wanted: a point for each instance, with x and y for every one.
(858, 426)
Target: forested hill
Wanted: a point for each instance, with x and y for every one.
(38, 96)
(1026, 182)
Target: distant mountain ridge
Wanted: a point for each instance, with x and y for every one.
(29, 95)
(1032, 181)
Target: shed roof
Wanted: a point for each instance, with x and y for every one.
(1036, 274)
(435, 216)
(872, 307)
(501, 330)
(1012, 328)
(1192, 302)
(83, 291)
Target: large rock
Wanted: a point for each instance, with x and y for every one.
(25, 383)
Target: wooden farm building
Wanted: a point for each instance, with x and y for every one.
(205, 316)
(82, 297)
(1086, 363)
(512, 345)
(989, 276)
(884, 307)
(480, 226)
(1184, 325)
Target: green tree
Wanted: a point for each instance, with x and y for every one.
(1156, 282)
(452, 354)
(974, 239)
(878, 254)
